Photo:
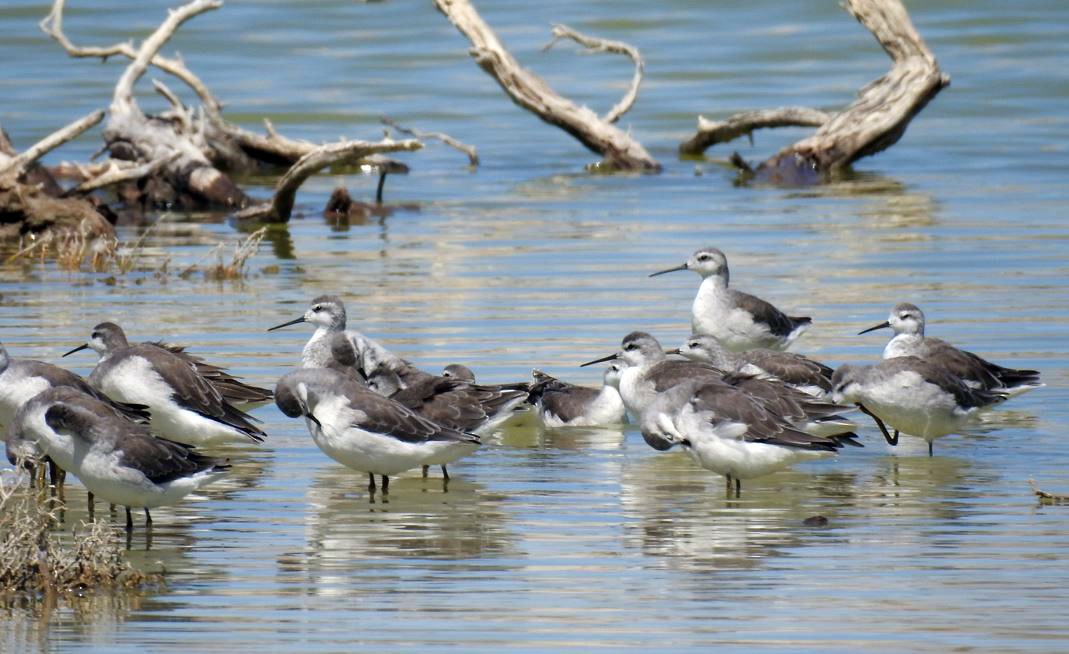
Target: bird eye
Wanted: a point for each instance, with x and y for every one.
(704, 257)
(630, 346)
(318, 307)
(95, 335)
(692, 344)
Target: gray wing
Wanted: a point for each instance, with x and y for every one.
(385, 416)
(670, 373)
(935, 373)
(778, 322)
(446, 401)
(567, 401)
(230, 387)
(195, 393)
(725, 404)
(974, 368)
(791, 368)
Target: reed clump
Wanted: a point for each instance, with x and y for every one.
(33, 559)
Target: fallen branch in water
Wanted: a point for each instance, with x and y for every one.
(618, 150)
(473, 156)
(880, 114)
(712, 132)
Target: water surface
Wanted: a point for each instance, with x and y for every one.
(588, 537)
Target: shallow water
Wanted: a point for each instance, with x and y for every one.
(588, 537)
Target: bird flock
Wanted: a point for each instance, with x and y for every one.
(135, 430)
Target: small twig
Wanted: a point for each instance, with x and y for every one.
(595, 44)
(117, 174)
(712, 132)
(473, 156)
(19, 163)
(52, 25)
(180, 110)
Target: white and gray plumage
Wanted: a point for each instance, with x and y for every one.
(184, 405)
(116, 459)
(458, 371)
(796, 370)
(728, 431)
(907, 321)
(22, 379)
(364, 430)
(738, 320)
(560, 404)
(648, 373)
(912, 395)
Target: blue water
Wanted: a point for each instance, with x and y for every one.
(589, 538)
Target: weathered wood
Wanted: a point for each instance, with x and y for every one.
(473, 155)
(16, 165)
(279, 208)
(712, 132)
(883, 109)
(871, 123)
(618, 149)
(595, 44)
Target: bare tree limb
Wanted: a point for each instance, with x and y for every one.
(595, 44)
(180, 111)
(281, 205)
(473, 155)
(17, 165)
(114, 173)
(712, 132)
(618, 149)
(883, 109)
(52, 25)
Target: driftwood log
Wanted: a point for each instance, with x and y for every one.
(619, 151)
(186, 154)
(871, 123)
(29, 206)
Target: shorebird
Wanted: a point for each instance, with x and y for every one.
(21, 380)
(649, 372)
(183, 404)
(447, 401)
(907, 321)
(912, 395)
(560, 404)
(458, 371)
(116, 459)
(740, 321)
(728, 431)
(364, 430)
(796, 370)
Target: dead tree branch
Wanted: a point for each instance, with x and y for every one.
(618, 149)
(473, 155)
(114, 173)
(52, 25)
(281, 205)
(17, 165)
(595, 44)
(871, 123)
(712, 132)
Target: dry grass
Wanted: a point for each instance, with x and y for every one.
(73, 252)
(33, 559)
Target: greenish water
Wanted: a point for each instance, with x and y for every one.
(588, 537)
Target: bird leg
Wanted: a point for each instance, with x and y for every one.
(385, 484)
(425, 469)
(929, 445)
(738, 488)
(727, 480)
(371, 482)
(445, 473)
(148, 518)
(129, 522)
(891, 440)
(92, 504)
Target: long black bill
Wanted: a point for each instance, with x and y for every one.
(83, 346)
(611, 357)
(883, 325)
(295, 321)
(676, 269)
(675, 351)
(313, 419)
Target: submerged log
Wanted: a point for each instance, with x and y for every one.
(599, 134)
(871, 123)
